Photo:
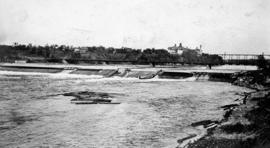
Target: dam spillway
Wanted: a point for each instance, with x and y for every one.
(107, 72)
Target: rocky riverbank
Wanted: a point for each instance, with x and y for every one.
(245, 124)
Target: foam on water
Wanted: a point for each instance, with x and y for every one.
(235, 67)
(189, 79)
(2, 72)
(60, 75)
(64, 75)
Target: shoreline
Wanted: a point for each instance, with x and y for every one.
(245, 123)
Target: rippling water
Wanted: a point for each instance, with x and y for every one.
(152, 113)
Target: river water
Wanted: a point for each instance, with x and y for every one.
(152, 113)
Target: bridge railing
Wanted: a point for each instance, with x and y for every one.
(242, 59)
(242, 56)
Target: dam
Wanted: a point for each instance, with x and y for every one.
(125, 71)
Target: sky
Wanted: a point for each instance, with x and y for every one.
(220, 26)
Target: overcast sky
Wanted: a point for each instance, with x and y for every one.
(231, 26)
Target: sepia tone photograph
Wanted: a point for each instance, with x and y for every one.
(134, 74)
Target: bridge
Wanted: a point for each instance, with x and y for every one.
(242, 59)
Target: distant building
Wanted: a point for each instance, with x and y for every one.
(176, 49)
(20, 61)
(199, 50)
(83, 51)
(180, 49)
(77, 50)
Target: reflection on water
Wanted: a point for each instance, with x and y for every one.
(152, 113)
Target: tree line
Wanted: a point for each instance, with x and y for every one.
(56, 53)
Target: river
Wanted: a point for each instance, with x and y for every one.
(153, 113)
